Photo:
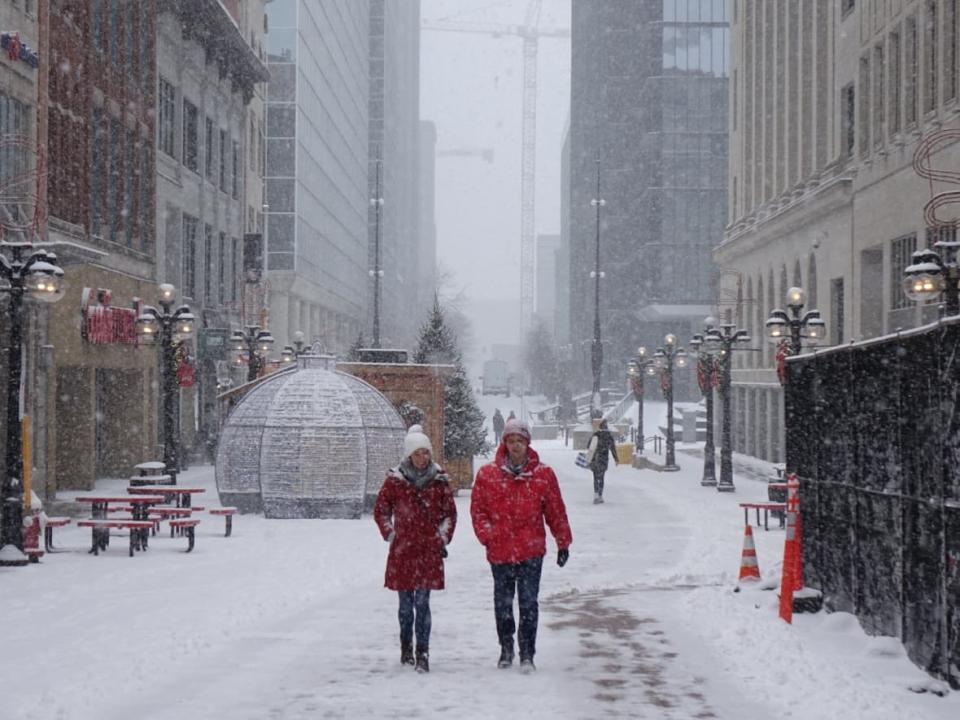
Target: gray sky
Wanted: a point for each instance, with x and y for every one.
(471, 87)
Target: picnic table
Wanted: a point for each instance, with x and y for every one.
(139, 523)
(151, 473)
(170, 492)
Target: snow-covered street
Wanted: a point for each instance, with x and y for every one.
(289, 619)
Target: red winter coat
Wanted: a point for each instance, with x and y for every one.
(422, 522)
(508, 510)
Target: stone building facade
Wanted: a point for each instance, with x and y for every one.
(828, 101)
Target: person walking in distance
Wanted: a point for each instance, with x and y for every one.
(416, 513)
(511, 498)
(601, 443)
(498, 423)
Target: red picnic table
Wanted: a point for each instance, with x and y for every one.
(139, 524)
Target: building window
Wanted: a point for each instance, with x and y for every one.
(235, 269)
(901, 255)
(864, 122)
(97, 162)
(893, 79)
(847, 6)
(222, 269)
(165, 126)
(235, 179)
(145, 197)
(114, 32)
(931, 38)
(96, 23)
(191, 154)
(836, 310)
(910, 70)
(114, 179)
(146, 35)
(848, 119)
(129, 218)
(208, 149)
(253, 142)
(208, 265)
(224, 144)
(190, 256)
(878, 109)
(941, 234)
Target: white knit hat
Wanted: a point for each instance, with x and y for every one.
(415, 440)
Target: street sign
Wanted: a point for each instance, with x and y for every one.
(212, 343)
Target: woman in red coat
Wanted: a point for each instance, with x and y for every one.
(510, 500)
(417, 515)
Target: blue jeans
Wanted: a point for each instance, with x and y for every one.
(414, 603)
(524, 579)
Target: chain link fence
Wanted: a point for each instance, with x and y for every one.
(873, 432)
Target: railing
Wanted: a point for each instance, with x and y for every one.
(619, 410)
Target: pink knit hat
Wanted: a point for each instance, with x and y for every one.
(516, 427)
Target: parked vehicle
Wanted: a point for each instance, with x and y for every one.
(496, 377)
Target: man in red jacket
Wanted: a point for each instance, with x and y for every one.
(510, 500)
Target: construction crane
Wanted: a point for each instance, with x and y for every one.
(530, 33)
(485, 154)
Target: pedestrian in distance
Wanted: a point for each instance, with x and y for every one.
(601, 443)
(416, 513)
(511, 498)
(511, 416)
(498, 423)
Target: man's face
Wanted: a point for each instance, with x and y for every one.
(516, 448)
(420, 458)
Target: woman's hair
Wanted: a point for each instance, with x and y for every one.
(603, 425)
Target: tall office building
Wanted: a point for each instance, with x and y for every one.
(829, 101)
(318, 56)
(649, 110)
(395, 142)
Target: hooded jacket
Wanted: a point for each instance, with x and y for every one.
(422, 520)
(508, 511)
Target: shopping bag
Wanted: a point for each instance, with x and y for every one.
(582, 460)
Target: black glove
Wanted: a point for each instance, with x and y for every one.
(562, 557)
(443, 551)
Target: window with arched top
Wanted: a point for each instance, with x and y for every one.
(742, 317)
(812, 281)
(782, 300)
(758, 357)
(797, 277)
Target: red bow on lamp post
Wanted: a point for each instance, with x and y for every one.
(707, 376)
(783, 352)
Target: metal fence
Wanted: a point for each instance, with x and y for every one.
(873, 432)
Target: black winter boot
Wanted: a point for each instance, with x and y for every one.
(406, 653)
(506, 654)
(423, 660)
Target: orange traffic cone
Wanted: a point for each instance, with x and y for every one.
(749, 570)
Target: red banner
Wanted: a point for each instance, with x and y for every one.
(104, 325)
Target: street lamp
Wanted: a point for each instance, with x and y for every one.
(933, 273)
(720, 342)
(792, 329)
(636, 369)
(707, 365)
(377, 203)
(292, 352)
(664, 360)
(169, 330)
(36, 276)
(596, 350)
(251, 346)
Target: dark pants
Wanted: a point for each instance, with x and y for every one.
(598, 480)
(414, 602)
(524, 578)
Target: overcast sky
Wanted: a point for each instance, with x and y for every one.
(471, 87)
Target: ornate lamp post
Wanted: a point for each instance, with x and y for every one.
(664, 360)
(34, 274)
(707, 367)
(596, 349)
(642, 365)
(933, 274)
(720, 342)
(377, 203)
(292, 352)
(794, 328)
(169, 330)
(252, 346)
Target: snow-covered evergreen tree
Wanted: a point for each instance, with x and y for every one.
(438, 344)
(463, 432)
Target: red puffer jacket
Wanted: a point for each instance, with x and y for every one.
(508, 510)
(422, 522)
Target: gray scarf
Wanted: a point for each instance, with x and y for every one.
(418, 478)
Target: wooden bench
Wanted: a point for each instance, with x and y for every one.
(228, 513)
(52, 522)
(767, 508)
(100, 533)
(187, 526)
